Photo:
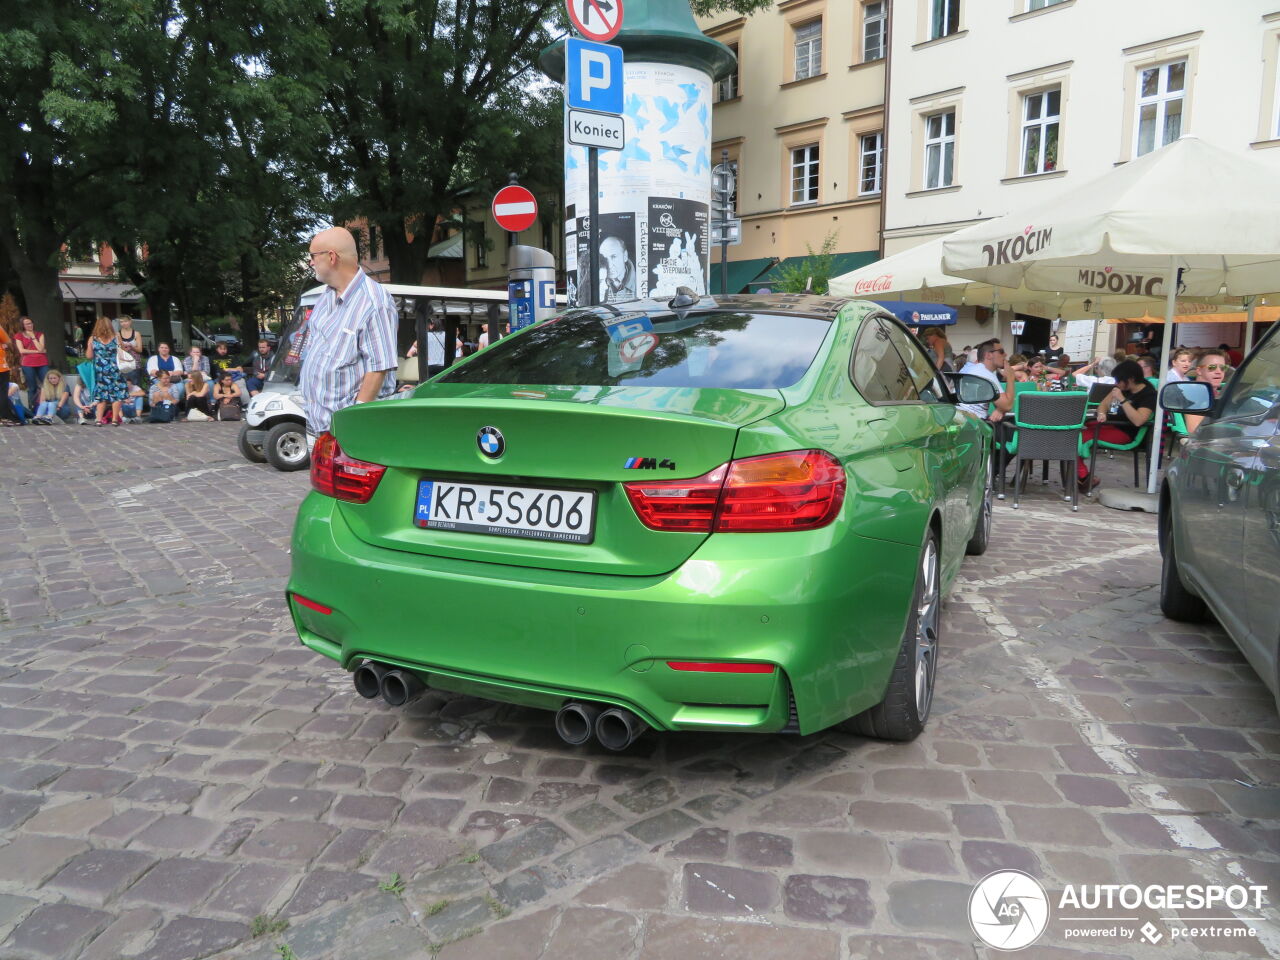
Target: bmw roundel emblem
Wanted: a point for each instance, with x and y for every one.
(490, 442)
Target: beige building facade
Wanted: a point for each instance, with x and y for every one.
(803, 122)
(1000, 104)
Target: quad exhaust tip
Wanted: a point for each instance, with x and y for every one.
(617, 729)
(368, 679)
(576, 722)
(400, 687)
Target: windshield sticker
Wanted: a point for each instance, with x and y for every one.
(627, 325)
(635, 349)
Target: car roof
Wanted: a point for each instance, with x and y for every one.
(798, 304)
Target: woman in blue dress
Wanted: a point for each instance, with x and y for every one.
(109, 386)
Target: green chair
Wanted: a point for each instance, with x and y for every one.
(1047, 427)
(1137, 446)
(1007, 448)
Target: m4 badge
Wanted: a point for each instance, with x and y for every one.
(648, 463)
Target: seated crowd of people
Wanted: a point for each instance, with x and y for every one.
(119, 383)
(1119, 416)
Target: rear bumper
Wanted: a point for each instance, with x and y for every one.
(827, 610)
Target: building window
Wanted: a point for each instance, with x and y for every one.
(1161, 91)
(870, 162)
(482, 248)
(1040, 4)
(373, 242)
(1276, 105)
(809, 49)
(727, 89)
(1040, 116)
(873, 30)
(804, 174)
(939, 150)
(944, 18)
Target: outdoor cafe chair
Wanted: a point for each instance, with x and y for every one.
(1047, 427)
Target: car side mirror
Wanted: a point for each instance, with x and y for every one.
(971, 389)
(1187, 396)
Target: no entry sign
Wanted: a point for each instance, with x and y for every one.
(598, 20)
(514, 208)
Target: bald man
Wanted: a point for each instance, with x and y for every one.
(350, 348)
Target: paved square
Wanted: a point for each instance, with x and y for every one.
(179, 778)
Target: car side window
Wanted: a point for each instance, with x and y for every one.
(877, 370)
(1255, 388)
(923, 373)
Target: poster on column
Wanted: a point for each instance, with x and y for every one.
(617, 239)
(678, 247)
(653, 192)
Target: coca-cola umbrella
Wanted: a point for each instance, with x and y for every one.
(1189, 219)
(916, 274)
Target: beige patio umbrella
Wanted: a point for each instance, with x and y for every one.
(1189, 219)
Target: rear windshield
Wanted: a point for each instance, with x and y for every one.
(734, 351)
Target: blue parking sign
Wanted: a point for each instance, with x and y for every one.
(593, 75)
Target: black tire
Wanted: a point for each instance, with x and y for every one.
(250, 451)
(1176, 601)
(286, 447)
(904, 711)
(977, 544)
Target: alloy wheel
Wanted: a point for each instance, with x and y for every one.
(927, 617)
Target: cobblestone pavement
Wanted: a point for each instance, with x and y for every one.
(179, 778)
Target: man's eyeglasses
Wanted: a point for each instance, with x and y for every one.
(1213, 366)
(312, 254)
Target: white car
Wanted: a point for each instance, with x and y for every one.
(275, 428)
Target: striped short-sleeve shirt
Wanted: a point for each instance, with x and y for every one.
(348, 335)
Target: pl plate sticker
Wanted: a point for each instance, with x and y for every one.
(634, 349)
(627, 325)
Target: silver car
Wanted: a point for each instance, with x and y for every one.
(1220, 509)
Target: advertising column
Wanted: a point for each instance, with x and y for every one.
(655, 193)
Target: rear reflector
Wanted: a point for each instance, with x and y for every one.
(698, 666)
(337, 475)
(312, 605)
(799, 490)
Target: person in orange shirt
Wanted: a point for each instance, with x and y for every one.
(8, 417)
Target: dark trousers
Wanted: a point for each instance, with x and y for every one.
(35, 377)
(6, 408)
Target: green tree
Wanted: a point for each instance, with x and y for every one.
(61, 73)
(813, 273)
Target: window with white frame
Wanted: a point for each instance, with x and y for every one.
(870, 162)
(804, 174)
(944, 18)
(1161, 95)
(809, 49)
(1040, 118)
(873, 31)
(1276, 105)
(727, 89)
(939, 150)
(1040, 4)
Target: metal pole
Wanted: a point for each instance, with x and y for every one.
(511, 237)
(450, 336)
(421, 314)
(1248, 328)
(593, 226)
(1170, 299)
(495, 324)
(724, 229)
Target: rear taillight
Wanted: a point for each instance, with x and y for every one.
(335, 474)
(688, 505)
(800, 490)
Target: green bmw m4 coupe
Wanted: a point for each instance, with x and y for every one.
(729, 514)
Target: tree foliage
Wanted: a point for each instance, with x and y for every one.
(813, 273)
